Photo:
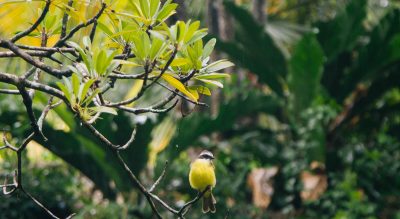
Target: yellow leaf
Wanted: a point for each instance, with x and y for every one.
(194, 92)
(178, 85)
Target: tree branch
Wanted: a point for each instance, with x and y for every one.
(34, 26)
(22, 54)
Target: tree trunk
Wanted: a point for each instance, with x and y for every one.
(258, 9)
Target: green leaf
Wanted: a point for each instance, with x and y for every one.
(166, 11)
(193, 55)
(85, 88)
(138, 47)
(154, 6)
(181, 30)
(208, 48)
(212, 83)
(145, 7)
(101, 62)
(103, 109)
(128, 63)
(156, 48)
(68, 84)
(65, 90)
(342, 33)
(146, 45)
(158, 35)
(136, 8)
(173, 32)
(87, 43)
(305, 71)
(179, 62)
(255, 49)
(104, 28)
(197, 36)
(81, 52)
(89, 99)
(191, 30)
(218, 65)
(75, 84)
(213, 76)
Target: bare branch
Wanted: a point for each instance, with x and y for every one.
(139, 185)
(8, 145)
(144, 86)
(125, 146)
(10, 54)
(7, 91)
(189, 76)
(26, 142)
(30, 72)
(182, 211)
(46, 52)
(165, 67)
(28, 105)
(39, 204)
(93, 31)
(14, 80)
(147, 110)
(65, 21)
(22, 54)
(47, 49)
(62, 41)
(165, 205)
(105, 140)
(120, 75)
(161, 177)
(46, 110)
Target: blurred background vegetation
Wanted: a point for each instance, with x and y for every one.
(307, 127)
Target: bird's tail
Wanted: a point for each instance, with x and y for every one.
(209, 203)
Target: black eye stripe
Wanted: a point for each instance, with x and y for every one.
(206, 156)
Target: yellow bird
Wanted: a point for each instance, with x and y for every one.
(201, 176)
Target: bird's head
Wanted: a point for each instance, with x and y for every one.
(206, 155)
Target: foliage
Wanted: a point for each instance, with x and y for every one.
(330, 97)
(70, 77)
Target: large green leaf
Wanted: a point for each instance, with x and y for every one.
(305, 70)
(383, 49)
(341, 33)
(254, 49)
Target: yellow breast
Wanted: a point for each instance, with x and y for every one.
(202, 174)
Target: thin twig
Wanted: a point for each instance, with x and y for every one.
(190, 203)
(105, 140)
(28, 105)
(161, 177)
(8, 91)
(40, 204)
(147, 110)
(139, 185)
(184, 97)
(65, 20)
(22, 54)
(14, 80)
(35, 25)
(62, 41)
